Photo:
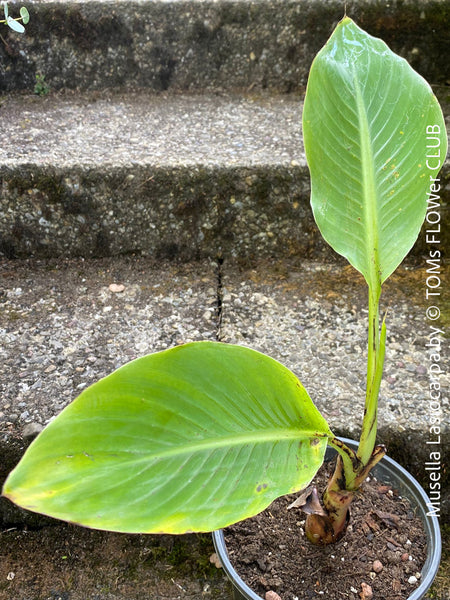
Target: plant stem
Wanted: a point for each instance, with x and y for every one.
(352, 468)
(375, 361)
(323, 529)
(327, 529)
(350, 462)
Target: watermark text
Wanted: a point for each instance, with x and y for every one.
(433, 284)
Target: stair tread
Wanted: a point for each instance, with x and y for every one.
(164, 130)
(166, 175)
(164, 303)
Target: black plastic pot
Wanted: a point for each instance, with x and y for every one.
(387, 471)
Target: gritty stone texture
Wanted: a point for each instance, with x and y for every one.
(164, 175)
(191, 176)
(203, 44)
(132, 128)
(62, 329)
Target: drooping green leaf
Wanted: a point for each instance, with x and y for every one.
(25, 15)
(365, 122)
(15, 25)
(189, 439)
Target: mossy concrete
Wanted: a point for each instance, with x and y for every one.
(188, 176)
(64, 328)
(203, 44)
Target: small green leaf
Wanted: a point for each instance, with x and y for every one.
(14, 25)
(25, 15)
(6, 11)
(190, 439)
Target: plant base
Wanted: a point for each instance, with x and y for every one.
(319, 569)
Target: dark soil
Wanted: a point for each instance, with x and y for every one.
(270, 551)
(66, 562)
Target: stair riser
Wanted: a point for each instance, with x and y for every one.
(186, 213)
(195, 45)
(190, 212)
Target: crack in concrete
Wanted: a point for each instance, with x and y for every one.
(219, 302)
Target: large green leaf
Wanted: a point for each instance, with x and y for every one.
(189, 439)
(365, 123)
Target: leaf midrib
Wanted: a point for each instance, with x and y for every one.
(223, 442)
(371, 216)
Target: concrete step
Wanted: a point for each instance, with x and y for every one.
(66, 323)
(206, 44)
(63, 326)
(165, 175)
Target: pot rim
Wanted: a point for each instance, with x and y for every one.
(409, 487)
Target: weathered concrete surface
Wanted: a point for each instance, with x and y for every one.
(202, 44)
(62, 327)
(165, 175)
(63, 562)
(191, 176)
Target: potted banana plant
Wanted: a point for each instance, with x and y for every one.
(203, 435)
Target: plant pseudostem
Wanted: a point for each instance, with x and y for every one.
(364, 142)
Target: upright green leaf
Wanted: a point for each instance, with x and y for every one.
(365, 123)
(189, 439)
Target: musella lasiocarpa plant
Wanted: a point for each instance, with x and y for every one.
(202, 435)
(15, 23)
